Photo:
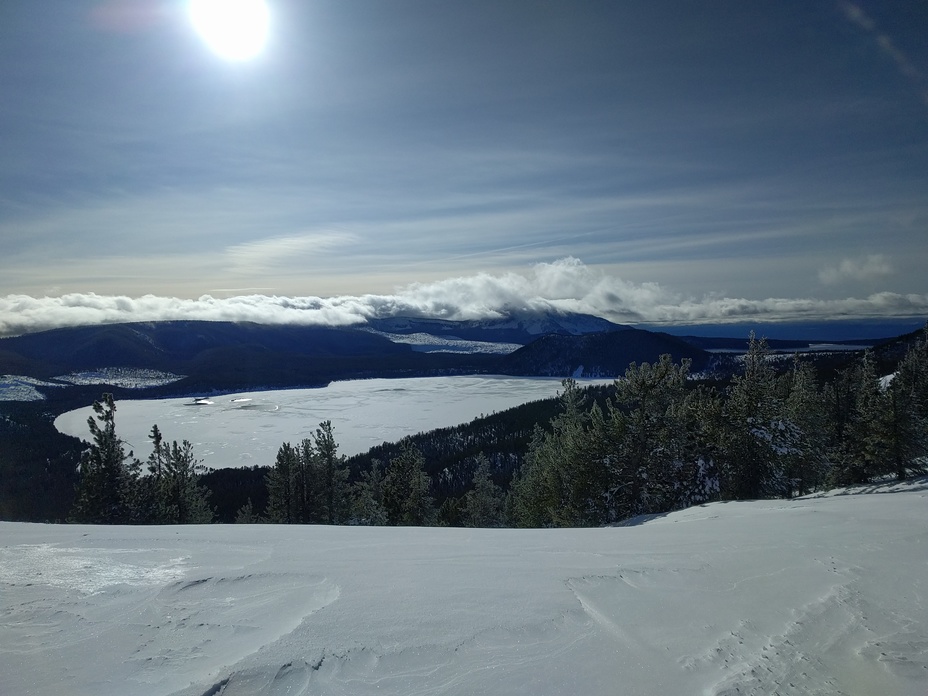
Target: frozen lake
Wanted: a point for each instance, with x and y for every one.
(248, 428)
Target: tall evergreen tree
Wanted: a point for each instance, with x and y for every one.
(280, 485)
(756, 437)
(869, 434)
(162, 512)
(108, 474)
(805, 411)
(532, 495)
(650, 400)
(332, 474)
(484, 504)
(406, 489)
(304, 504)
(561, 482)
(368, 495)
(907, 404)
(185, 495)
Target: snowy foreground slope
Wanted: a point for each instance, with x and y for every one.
(823, 595)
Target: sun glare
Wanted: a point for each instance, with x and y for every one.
(233, 29)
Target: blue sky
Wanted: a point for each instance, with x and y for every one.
(645, 161)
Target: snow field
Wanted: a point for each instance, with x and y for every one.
(824, 595)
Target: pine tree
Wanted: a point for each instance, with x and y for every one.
(650, 407)
(246, 514)
(406, 489)
(532, 495)
(162, 512)
(907, 402)
(108, 475)
(303, 494)
(280, 485)
(563, 480)
(368, 497)
(805, 410)
(484, 504)
(870, 429)
(185, 494)
(332, 475)
(756, 437)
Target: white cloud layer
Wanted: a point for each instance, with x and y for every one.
(564, 285)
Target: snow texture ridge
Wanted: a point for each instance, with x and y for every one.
(819, 595)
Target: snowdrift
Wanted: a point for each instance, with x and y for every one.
(824, 595)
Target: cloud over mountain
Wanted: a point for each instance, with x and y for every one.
(566, 285)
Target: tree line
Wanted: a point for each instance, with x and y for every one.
(658, 441)
(113, 489)
(663, 444)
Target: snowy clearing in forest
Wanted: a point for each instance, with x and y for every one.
(824, 595)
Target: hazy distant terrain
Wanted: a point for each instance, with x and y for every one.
(203, 357)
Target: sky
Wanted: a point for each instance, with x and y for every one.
(647, 162)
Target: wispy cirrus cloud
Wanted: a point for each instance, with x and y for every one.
(865, 268)
(266, 255)
(566, 285)
(856, 14)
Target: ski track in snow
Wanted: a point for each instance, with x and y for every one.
(812, 596)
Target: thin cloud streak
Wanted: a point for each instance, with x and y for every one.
(862, 269)
(566, 285)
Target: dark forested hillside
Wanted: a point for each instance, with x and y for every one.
(38, 465)
(222, 356)
(598, 355)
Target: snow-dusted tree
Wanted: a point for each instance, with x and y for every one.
(695, 477)
(109, 475)
(561, 482)
(185, 495)
(280, 485)
(368, 497)
(331, 475)
(156, 483)
(406, 489)
(757, 437)
(907, 403)
(650, 405)
(532, 494)
(869, 434)
(304, 494)
(484, 504)
(309, 483)
(246, 514)
(805, 411)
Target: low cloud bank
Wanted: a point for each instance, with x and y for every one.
(567, 285)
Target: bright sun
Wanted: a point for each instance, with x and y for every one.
(233, 29)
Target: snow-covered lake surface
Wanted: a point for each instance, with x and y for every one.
(248, 428)
(812, 596)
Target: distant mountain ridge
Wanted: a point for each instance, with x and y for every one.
(520, 328)
(225, 356)
(605, 354)
(233, 356)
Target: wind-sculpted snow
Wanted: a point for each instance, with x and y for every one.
(821, 595)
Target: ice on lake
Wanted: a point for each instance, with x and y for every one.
(248, 428)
